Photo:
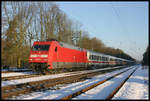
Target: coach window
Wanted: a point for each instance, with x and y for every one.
(106, 59)
(94, 57)
(97, 57)
(100, 58)
(90, 57)
(103, 59)
(56, 49)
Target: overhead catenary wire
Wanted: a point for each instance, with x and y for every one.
(119, 18)
(124, 28)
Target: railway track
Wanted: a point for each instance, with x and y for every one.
(79, 92)
(7, 72)
(13, 71)
(19, 77)
(30, 75)
(15, 90)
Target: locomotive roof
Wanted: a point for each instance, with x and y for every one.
(63, 44)
(69, 46)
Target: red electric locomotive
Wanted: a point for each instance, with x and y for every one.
(48, 55)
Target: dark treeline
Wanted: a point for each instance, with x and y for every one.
(26, 22)
(145, 60)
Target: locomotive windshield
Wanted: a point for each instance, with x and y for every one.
(40, 48)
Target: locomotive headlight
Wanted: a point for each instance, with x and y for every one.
(44, 56)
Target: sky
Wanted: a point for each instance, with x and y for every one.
(122, 25)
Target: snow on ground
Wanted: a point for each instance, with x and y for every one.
(102, 91)
(19, 81)
(65, 90)
(16, 74)
(136, 86)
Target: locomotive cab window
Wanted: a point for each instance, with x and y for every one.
(90, 57)
(40, 47)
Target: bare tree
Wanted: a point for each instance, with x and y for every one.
(19, 19)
